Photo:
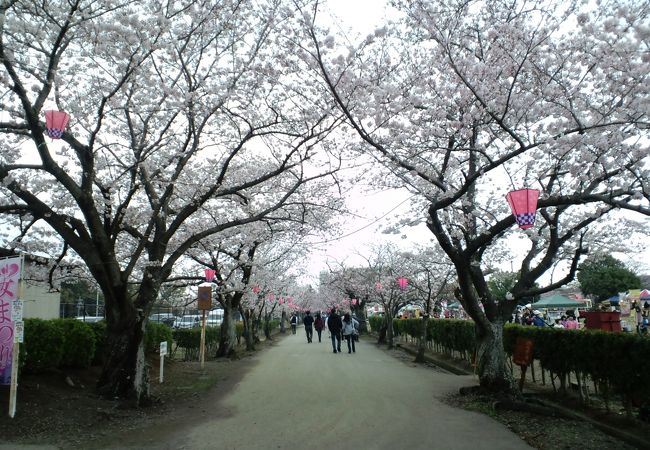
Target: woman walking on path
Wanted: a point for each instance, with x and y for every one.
(350, 326)
(319, 324)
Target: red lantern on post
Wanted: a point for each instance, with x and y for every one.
(210, 274)
(402, 282)
(523, 204)
(55, 122)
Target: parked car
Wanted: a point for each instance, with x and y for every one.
(165, 318)
(89, 319)
(188, 321)
(214, 318)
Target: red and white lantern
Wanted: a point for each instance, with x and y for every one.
(523, 204)
(55, 122)
(210, 274)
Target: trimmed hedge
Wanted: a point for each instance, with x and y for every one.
(42, 348)
(154, 334)
(78, 343)
(615, 361)
(59, 343)
(189, 339)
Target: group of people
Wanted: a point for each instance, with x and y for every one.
(642, 314)
(536, 318)
(346, 327)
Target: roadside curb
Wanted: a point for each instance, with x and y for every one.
(433, 360)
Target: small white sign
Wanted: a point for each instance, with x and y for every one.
(16, 311)
(163, 348)
(19, 331)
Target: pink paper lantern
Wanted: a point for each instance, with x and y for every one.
(402, 282)
(55, 122)
(256, 289)
(354, 301)
(210, 274)
(523, 204)
(378, 286)
(271, 297)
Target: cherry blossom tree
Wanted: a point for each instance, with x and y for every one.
(187, 120)
(463, 101)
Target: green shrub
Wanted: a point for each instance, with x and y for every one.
(78, 343)
(154, 334)
(99, 330)
(190, 340)
(43, 345)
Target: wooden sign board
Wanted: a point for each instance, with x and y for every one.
(205, 298)
(523, 354)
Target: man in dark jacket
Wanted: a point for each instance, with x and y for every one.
(335, 325)
(308, 320)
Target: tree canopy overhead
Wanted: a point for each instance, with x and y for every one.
(464, 101)
(187, 120)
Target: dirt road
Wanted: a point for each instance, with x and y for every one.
(302, 395)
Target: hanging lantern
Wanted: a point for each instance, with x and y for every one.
(55, 122)
(271, 297)
(210, 274)
(402, 282)
(256, 289)
(354, 301)
(523, 204)
(378, 286)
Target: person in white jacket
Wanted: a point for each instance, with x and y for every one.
(350, 330)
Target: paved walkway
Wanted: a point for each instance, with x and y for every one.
(303, 396)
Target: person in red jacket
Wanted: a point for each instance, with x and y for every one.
(319, 324)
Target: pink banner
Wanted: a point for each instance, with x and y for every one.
(9, 279)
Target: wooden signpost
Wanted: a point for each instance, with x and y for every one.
(204, 304)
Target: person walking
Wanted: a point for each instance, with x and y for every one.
(334, 325)
(294, 322)
(350, 327)
(319, 324)
(308, 321)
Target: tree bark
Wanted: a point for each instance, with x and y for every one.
(124, 374)
(390, 338)
(494, 375)
(422, 341)
(227, 340)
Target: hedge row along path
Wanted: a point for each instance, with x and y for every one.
(300, 395)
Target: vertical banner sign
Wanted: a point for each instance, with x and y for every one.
(9, 280)
(10, 312)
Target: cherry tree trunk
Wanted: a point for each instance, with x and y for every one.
(124, 373)
(248, 318)
(390, 335)
(283, 320)
(493, 372)
(228, 338)
(422, 341)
